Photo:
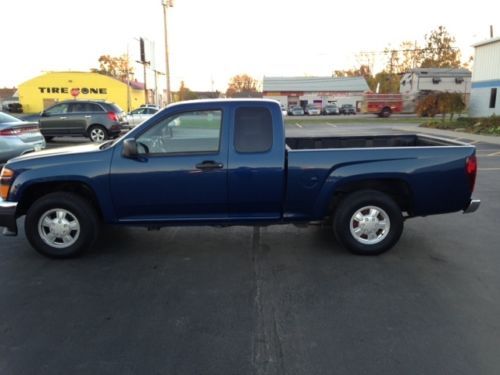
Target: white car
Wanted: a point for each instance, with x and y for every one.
(139, 115)
(284, 111)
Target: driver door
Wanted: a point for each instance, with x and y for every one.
(180, 173)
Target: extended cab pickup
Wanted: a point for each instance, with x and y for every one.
(224, 162)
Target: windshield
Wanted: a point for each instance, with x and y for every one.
(4, 118)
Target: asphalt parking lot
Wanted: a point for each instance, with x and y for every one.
(271, 300)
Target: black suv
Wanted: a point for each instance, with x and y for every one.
(347, 109)
(98, 120)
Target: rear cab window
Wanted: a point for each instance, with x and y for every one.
(253, 130)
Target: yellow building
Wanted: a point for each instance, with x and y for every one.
(41, 92)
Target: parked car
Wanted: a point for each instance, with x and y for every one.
(12, 107)
(234, 170)
(139, 115)
(297, 111)
(284, 112)
(347, 109)
(312, 110)
(97, 120)
(157, 107)
(331, 109)
(18, 137)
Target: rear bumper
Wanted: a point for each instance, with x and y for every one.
(472, 206)
(8, 217)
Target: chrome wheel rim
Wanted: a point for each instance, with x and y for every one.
(370, 225)
(59, 228)
(97, 135)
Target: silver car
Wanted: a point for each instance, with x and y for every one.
(312, 110)
(297, 111)
(139, 115)
(18, 137)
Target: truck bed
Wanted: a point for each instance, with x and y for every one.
(431, 168)
(367, 141)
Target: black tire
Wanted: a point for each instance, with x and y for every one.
(98, 133)
(76, 210)
(386, 112)
(48, 138)
(359, 203)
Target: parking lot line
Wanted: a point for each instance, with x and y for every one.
(494, 154)
(300, 126)
(489, 169)
(332, 125)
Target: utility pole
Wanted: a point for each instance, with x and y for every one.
(157, 72)
(167, 4)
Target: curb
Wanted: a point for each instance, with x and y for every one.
(464, 137)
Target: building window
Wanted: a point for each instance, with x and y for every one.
(436, 80)
(493, 98)
(459, 80)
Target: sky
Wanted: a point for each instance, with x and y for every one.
(211, 41)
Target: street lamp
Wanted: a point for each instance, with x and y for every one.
(166, 4)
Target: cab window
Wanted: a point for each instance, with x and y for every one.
(188, 132)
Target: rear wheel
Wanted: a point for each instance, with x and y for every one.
(98, 133)
(368, 222)
(61, 225)
(48, 138)
(386, 112)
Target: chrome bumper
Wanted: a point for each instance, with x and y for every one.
(8, 217)
(473, 206)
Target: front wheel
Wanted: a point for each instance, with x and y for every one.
(368, 222)
(61, 225)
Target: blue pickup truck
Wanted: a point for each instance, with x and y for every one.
(227, 162)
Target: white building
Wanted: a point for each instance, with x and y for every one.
(484, 99)
(319, 91)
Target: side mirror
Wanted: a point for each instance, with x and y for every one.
(130, 148)
(43, 114)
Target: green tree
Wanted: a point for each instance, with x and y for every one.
(440, 51)
(115, 66)
(241, 84)
(387, 83)
(185, 93)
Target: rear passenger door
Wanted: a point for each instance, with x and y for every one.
(77, 117)
(256, 176)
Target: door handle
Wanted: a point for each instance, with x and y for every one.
(209, 164)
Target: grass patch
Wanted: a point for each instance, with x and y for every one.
(485, 125)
